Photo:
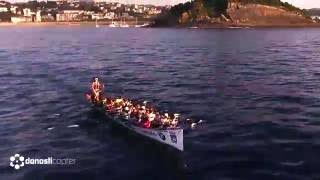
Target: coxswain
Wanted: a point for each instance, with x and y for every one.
(175, 120)
(97, 88)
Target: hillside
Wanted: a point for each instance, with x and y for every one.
(217, 13)
(264, 15)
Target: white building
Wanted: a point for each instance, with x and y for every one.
(154, 11)
(60, 1)
(138, 11)
(88, 12)
(3, 9)
(118, 5)
(110, 15)
(73, 11)
(20, 19)
(100, 1)
(69, 15)
(97, 16)
(13, 9)
(38, 16)
(47, 17)
(127, 9)
(27, 12)
(73, 1)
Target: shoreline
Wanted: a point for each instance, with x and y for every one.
(239, 26)
(71, 23)
(257, 26)
(199, 26)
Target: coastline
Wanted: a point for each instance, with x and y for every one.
(241, 26)
(71, 23)
(230, 26)
(35, 24)
(198, 26)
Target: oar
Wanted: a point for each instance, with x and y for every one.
(194, 124)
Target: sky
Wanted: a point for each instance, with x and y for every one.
(305, 4)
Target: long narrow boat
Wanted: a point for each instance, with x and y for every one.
(171, 137)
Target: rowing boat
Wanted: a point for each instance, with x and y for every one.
(169, 136)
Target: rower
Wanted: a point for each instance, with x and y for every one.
(97, 88)
(151, 116)
(126, 112)
(146, 123)
(165, 120)
(143, 109)
(157, 120)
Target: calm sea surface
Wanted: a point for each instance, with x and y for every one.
(257, 90)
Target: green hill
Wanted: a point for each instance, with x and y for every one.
(196, 10)
(232, 12)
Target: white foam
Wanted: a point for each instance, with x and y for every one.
(73, 126)
(50, 128)
(292, 163)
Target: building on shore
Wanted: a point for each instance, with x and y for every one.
(154, 11)
(38, 16)
(70, 15)
(73, 10)
(27, 12)
(47, 17)
(110, 15)
(97, 16)
(100, 1)
(14, 9)
(20, 19)
(3, 9)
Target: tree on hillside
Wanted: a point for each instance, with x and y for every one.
(5, 16)
(219, 6)
(193, 9)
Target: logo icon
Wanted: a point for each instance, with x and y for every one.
(17, 161)
(173, 138)
(162, 136)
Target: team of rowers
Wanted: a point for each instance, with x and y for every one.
(141, 115)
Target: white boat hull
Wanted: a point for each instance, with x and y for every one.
(171, 137)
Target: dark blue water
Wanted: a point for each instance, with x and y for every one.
(257, 90)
